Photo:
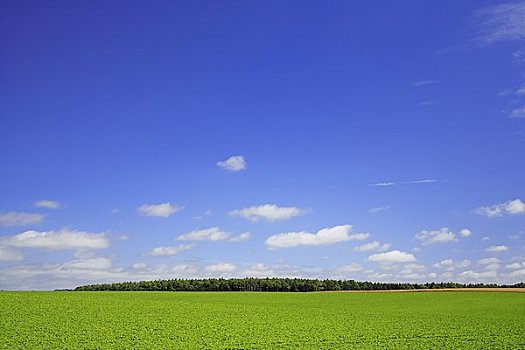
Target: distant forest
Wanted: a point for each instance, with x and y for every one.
(274, 285)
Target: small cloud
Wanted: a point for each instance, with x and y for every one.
(325, 236)
(47, 204)
(241, 237)
(394, 256)
(163, 210)
(351, 268)
(375, 245)
(518, 113)
(170, 251)
(14, 218)
(382, 184)
(269, 212)
(497, 248)
(488, 261)
(210, 234)
(486, 238)
(203, 215)
(234, 164)
(465, 232)
(449, 264)
(424, 83)
(427, 103)
(377, 209)
(512, 207)
(220, 268)
(442, 235)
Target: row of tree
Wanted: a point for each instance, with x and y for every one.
(275, 285)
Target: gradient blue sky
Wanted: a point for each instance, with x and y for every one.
(119, 121)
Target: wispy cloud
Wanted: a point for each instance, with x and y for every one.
(169, 251)
(375, 245)
(377, 209)
(498, 23)
(14, 218)
(424, 83)
(518, 113)
(382, 184)
(424, 181)
(413, 182)
(427, 103)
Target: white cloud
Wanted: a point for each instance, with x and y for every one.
(162, 210)
(166, 251)
(10, 254)
(351, 268)
(97, 263)
(269, 212)
(241, 237)
(424, 83)
(14, 218)
(394, 256)
(488, 261)
(512, 207)
(234, 163)
(502, 22)
(486, 238)
(57, 240)
(465, 232)
(47, 204)
(377, 209)
(516, 265)
(221, 268)
(209, 234)
(497, 248)
(484, 275)
(449, 264)
(375, 245)
(382, 184)
(442, 235)
(325, 236)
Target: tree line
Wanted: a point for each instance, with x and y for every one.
(274, 285)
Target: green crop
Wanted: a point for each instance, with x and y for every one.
(237, 320)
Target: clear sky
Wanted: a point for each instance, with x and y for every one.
(379, 141)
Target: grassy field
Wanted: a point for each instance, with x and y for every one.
(185, 320)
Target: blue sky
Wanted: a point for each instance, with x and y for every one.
(372, 141)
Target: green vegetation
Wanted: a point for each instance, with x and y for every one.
(274, 285)
(167, 320)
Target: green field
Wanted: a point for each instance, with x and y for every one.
(238, 320)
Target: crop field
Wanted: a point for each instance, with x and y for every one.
(238, 320)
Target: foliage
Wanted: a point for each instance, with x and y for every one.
(272, 285)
